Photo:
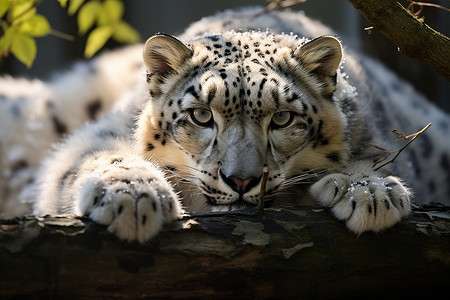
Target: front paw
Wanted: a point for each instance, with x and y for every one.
(132, 204)
(365, 203)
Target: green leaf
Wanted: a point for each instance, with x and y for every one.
(97, 39)
(37, 26)
(63, 3)
(87, 16)
(7, 38)
(22, 11)
(4, 6)
(74, 5)
(24, 48)
(124, 33)
(112, 11)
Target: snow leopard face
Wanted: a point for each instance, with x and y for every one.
(223, 107)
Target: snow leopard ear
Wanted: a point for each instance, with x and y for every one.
(321, 57)
(164, 53)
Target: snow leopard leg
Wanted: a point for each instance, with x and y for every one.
(366, 201)
(116, 188)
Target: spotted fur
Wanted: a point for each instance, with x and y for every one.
(212, 110)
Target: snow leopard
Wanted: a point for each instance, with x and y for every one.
(137, 137)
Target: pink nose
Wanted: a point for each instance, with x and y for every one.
(239, 185)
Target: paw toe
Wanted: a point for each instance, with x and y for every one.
(330, 189)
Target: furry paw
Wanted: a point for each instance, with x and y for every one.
(365, 203)
(133, 201)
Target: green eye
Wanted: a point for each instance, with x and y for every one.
(282, 119)
(202, 117)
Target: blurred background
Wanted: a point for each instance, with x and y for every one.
(172, 16)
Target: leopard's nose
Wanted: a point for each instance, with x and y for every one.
(239, 185)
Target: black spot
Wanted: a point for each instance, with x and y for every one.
(154, 206)
(386, 202)
(294, 96)
(119, 211)
(261, 85)
(369, 209)
(223, 75)
(107, 133)
(93, 109)
(353, 204)
(15, 110)
(445, 164)
(334, 157)
(171, 168)
(336, 191)
(157, 136)
(415, 163)
(18, 166)
(116, 160)
(144, 220)
(60, 128)
(174, 115)
(374, 207)
(68, 178)
(427, 145)
(150, 147)
(275, 96)
(213, 38)
(191, 90)
(431, 187)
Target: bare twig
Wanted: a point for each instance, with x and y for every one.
(386, 153)
(412, 4)
(276, 4)
(263, 189)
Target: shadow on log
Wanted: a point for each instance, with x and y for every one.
(285, 253)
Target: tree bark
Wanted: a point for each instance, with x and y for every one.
(413, 37)
(285, 253)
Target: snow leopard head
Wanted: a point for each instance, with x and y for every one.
(223, 107)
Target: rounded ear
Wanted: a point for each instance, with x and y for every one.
(320, 56)
(164, 53)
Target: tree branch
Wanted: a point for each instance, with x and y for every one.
(284, 253)
(413, 37)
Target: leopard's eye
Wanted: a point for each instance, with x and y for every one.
(202, 117)
(282, 119)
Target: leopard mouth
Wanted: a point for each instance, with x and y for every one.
(235, 205)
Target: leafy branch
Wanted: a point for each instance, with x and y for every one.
(20, 24)
(386, 153)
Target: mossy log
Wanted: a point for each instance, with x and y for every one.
(284, 253)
